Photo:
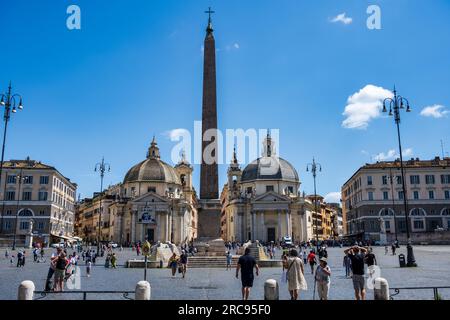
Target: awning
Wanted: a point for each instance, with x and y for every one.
(64, 237)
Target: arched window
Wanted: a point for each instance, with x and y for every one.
(417, 212)
(386, 212)
(25, 213)
(445, 212)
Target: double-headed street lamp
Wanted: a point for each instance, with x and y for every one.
(395, 104)
(314, 166)
(12, 103)
(101, 167)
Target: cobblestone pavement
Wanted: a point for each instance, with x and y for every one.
(202, 284)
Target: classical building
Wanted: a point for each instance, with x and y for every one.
(155, 201)
(35, 199)
(372, 199)
(262, 202)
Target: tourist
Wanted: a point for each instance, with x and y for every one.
(6, 254)
(295, 274)
(183, 262)
(114, 260)
(322, 278)
(173, 263)
(60, 270)
(356, 255)
(386, 249)
(138, 249)
(107, 260)
(305, 256)
(246, 264)
(312, 260)
(347, 265)
(35, 254)
(83, 255)
(393, 247)
(20, 259)
(229, 259)
(370, 258)
(42, 252)
(88, 268)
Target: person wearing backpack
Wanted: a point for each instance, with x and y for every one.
(60, 271)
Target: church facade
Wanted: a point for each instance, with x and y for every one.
(262, 201)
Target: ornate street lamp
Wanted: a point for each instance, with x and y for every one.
(12, 103)
(101, 167)
(314, 166)
(395, 104)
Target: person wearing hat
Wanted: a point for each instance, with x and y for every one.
(322, 277)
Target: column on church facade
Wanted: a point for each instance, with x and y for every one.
(279, 235)
(133, 226)
(286, 214)
(158, 226)
(182, 226)
(262, 228)
(166, 225)
(252, 226)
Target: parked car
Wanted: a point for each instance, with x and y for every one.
(58, 245)
(113, 245)
(287, 242)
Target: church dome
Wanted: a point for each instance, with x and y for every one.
(269, 168)
(152, 169)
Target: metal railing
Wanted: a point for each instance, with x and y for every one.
(436, 294)
(44, 294)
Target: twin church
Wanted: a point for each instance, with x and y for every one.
(157, 201)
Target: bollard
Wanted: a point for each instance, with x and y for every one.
(143, 291)
(381, 289)
(271, 290)
(26, 290)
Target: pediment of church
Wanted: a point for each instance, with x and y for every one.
(271, 197)
(150, 197)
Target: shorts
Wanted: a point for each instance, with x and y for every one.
(358, 282)
(247, 282)
(59, 274)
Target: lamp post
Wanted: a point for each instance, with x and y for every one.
(393, 204)
(102, 167)
(9, 101)
(314, 165)
(396, 103)
(20, 178)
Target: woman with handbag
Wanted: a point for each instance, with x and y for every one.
(295, 274)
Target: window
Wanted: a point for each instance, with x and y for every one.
(290, 189)
(384, 179)
(445, 178)
(26, 196)
(8, 225)
(401, 226)
(43, 180)
(151, 189)
(387, 225)
(24, 225)
(28, 179)
(400, 195)
(42, 212)
(269, 188)
(10, 195)
(414, 179)
(40, 226)
(249, 189)
(431, 194)
(418, 224)
(369, 180)
(447, 194)
(429, 179)
(416, 195)
(9, 212)
(11, 179)
(43, 195)
(370, 196)
(385, 195)
(399, 179)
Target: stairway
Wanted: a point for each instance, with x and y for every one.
(211, 262)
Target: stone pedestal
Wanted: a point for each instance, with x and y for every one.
(210, 247)
(29, 241)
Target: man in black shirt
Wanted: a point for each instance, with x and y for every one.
(357, 255)
(246, 264)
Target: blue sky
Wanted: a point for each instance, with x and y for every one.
(135, 69)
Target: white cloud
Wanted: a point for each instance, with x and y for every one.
(342, 18)
(435, 111)
(392, 154)
(364, 106)
(333, 197)
(174, 134)
(236, 45)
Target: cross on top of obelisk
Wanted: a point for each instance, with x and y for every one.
(209, 12)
